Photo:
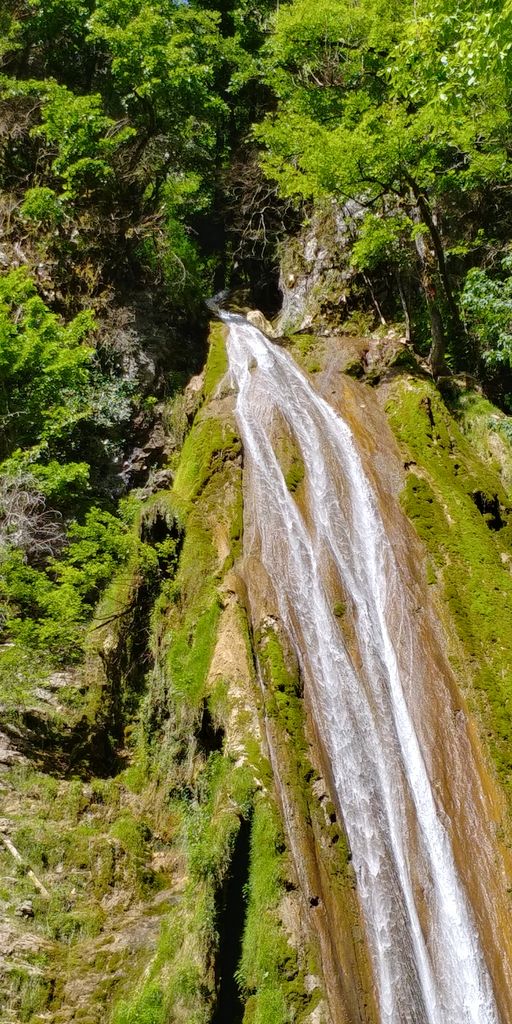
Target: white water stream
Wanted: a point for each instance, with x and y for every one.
(427, 959)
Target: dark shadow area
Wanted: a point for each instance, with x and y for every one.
(58, 749)
(489, 508)
(231, 923)
(210, 738)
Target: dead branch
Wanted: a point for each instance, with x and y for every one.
(20, 860)
(25, 522)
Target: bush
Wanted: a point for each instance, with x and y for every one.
(47, 609)
(43, 206)
(487, 308)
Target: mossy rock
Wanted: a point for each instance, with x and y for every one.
(354, 369)
(446, 494)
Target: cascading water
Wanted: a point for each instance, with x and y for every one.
(428, 963)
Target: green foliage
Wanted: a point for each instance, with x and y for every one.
(346, 77)
(43, 366)
(268, 963)
(62, 484)
(403, 108)
(56, 401)
(124, 125)
(154, 49)
(380, 240)
(47, 609)
(487, 307)
(95, 550)
(83, 136)
(43, 206)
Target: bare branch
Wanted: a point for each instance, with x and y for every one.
(25, 522)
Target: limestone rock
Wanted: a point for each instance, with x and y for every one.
(257, 319)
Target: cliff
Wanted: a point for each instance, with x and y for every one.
(180, 854)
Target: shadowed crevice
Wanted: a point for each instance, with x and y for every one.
(231, 924)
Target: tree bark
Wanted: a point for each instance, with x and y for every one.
(405, 307)
(436, 255)
(438, 346)
(427, 217)
(378, 310)
(431, 292)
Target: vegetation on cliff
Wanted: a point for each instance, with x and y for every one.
(401, 111)
(151, 153)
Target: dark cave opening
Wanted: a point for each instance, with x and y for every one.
(231, 923)
(210, 737)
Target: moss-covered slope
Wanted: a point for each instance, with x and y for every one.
(154, 881)
(457, 496)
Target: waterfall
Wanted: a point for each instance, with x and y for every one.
(427, 959)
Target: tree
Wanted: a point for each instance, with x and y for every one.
(364, 113)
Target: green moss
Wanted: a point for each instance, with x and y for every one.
(269, 971)
(236, 527)
(471, 560)
(304, 344)
(207, 795)
(134, 836)
(283, 704)
(195, 615)
(177, 984)
(267, 959)
(295, 475)
(32, 991)
(404, 359)
(289, 456)
(488, 430)
(147, 1008)
(217, 363)
(304, 349)
(283, 690)
(355, 368)
(89, 841)
(359, 322)
(212, 827)
(208, 484)
(207, 446)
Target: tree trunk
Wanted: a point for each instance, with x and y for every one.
(378, 310)
(437, 255)
(431, 292)
(405, 306)
(438, 346)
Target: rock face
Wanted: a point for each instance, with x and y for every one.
(9, 753)
(174, 864)
(172, 796)
(315, 275)
(255, 317)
